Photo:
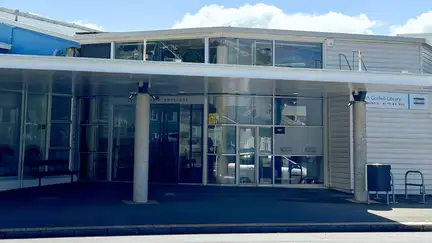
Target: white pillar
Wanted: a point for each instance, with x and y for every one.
(141, 151)
(360, 151)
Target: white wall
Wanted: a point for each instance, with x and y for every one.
(339, 140)
(403, 139)
(377, 56)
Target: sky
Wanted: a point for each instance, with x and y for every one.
(384, 17)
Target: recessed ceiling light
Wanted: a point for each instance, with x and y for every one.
(295, 93)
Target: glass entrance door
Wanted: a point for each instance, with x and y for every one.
(164, 143)
(35, 129)
(247, 155)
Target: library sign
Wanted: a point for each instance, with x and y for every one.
(397, 101)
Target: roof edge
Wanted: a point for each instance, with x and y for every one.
(114, 36)
(45, 19)
(35, 29)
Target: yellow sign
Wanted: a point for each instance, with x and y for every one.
(212, 118)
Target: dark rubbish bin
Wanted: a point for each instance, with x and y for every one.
(379, 178)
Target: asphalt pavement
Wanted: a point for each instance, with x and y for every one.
(417, 237)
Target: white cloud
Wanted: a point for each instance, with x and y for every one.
(87, 24)
(420, 24)
(267, 16)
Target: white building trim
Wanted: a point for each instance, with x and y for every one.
(408, 81)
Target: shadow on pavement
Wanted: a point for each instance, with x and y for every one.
(103, 204)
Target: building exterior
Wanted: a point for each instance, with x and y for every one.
(221, 106)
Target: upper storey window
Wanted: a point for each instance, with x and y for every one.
(298, 54)
(129, 51)
(241, 51)
(176, 50)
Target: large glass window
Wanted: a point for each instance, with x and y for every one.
(129, 51)
(10, 115)
(93, 143)
(241, 51)
(176, 50)
(240, 110)
(298, 111)
(298, 54)
(299, 170)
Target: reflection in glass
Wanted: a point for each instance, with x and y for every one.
(247, 155)
(176, 50)
(299, 141)
(240, 51)
(241, 110)
(36, 109)
(298, 111)
(190, 167)
(265, 170)
(221, 169)
(10, 115)
(93, 166)
(61, 106)
(60, 135)
(129, 51)
(265, 140)
(298, 55)
(222, 140)
(298, 170)
(58, 154)
(62, 84)
(123, 142)
(35, 130)
(164, 143)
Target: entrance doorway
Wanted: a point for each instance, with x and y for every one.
(254, 155)
(176, 143)
(247, 155)
(164, 143)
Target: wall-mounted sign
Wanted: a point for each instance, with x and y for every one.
(213, 118)
(418, 101)
(387, 100)
(397, 101)
(179, 100)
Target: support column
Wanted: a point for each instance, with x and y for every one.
(360, 151)
(141, 151)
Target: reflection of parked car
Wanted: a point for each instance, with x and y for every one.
(291, 170)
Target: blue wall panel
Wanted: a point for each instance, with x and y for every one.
(33, 43)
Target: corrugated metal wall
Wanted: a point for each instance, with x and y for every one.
(401, 138)
(339, 143)
(427, 59)
(377, 56)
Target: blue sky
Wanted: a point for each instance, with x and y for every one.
(161, 14)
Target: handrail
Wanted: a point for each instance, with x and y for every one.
(346, 60)
(363, 64)
(393, 188)
(422, 185)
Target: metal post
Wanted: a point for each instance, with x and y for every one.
(141, 153)
(359, 61)
(360, 152)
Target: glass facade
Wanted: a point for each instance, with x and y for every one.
(241, 51)
(176, 50)
(36, 120)
(129, 51)
(251, 139)
(236, 51)
(298, 54)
